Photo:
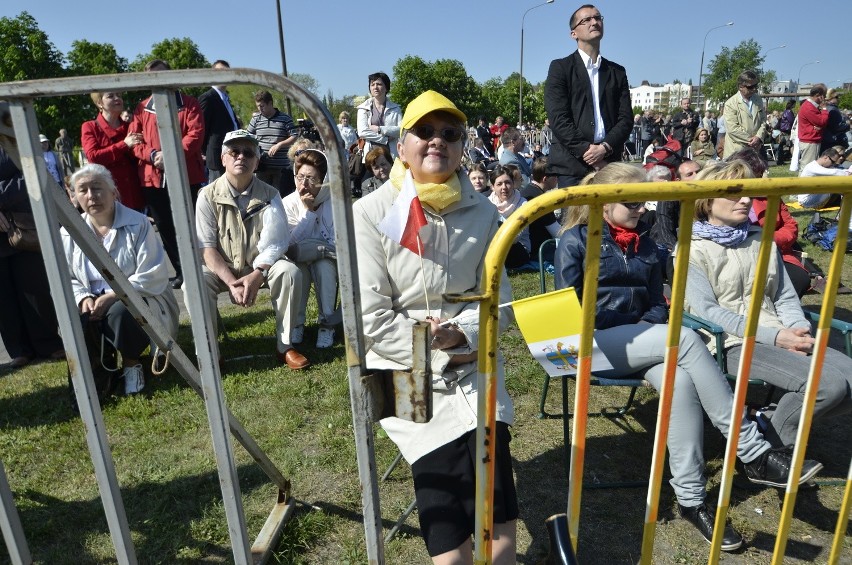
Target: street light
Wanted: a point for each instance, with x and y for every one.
(521, 77)
(701, 70)
(799, 77)
(773, 49)
(283, 55)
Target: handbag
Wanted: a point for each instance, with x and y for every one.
(22, 231)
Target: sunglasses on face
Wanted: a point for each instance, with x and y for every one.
(427, 132)
(246, 152)
(632, 206)
(750, 87)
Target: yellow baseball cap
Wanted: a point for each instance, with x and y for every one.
(426, 103)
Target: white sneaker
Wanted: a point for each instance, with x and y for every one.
(297, 335)
(134, 379)
(325, 338)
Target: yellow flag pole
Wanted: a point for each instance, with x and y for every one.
(664, 412)
(822, 335)
(842, 519)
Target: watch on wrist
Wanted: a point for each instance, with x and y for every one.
(263, 272)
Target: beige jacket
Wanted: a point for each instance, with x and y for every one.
(741, 125)
(720, 285)
(392, 299)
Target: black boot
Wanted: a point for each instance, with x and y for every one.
(772, 468)
(703, 519)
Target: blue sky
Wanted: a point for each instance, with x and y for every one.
(340, 42)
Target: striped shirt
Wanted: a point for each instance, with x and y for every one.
(270, 131)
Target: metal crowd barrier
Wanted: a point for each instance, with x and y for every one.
(687, 193)
(19, 135)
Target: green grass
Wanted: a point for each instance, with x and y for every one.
(166, 469)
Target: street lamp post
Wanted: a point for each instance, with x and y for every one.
(799, 76)
(701, 70)
(283, 55)
(763, 55)
(521, 75)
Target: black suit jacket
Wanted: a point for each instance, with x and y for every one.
(217, 122)
(569, 105)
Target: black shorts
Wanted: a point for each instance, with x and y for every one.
(444, 485)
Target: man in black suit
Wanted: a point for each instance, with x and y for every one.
(587, 99)
(219, 119)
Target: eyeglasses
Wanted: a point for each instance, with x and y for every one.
(750, 86)
(586, 21)
(312, 181)
(247, 152)
(427, 132)
(632, 205)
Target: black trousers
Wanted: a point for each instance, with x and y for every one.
(160, 208)
(122, 330)
(27, 318)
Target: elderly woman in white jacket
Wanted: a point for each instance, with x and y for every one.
(311, 247)
(130, 240)
(399, 288)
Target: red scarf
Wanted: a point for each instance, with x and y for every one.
(624, 237)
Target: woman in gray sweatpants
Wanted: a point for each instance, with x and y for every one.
(631, 330)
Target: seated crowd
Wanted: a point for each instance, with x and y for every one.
(251, 235)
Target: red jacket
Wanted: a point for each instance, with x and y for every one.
(191, 123)
(104, 145)
(496, 132)
(811, 122)
(786, 230)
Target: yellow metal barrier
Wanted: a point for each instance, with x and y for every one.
(687, 192)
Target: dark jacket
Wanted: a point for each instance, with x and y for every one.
(835, 130)
(570, 109)
(217, 122)
(630, 285)
(13, 196)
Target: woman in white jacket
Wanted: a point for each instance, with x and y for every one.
(379, 116)
(399, 288)
(130, 240)
(311, 247)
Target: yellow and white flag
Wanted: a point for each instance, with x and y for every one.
(551, 324)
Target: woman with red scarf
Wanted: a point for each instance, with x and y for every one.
(631, 330)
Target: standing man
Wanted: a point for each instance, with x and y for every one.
(684, 125)
(64, 147)
(813, 117)
(745, 116)
(587, 99)
(242, 232)
(276, 132)
(219, 119)
(546, 138)
(483, 133)
(54, 166)
(150, 155)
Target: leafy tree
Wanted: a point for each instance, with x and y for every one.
(413, 75)
(721, 80)
(27, 53)
(178, 53)
(88, 58)
(502, 99)
(845, 101)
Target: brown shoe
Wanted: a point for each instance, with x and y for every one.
(293, 359)
(19, 362)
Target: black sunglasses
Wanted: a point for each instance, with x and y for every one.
(248, 153)
(632, 205)
(750, 86)
(427, 132)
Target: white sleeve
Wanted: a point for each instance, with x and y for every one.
(275, 235)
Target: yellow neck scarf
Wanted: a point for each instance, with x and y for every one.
(436, 195)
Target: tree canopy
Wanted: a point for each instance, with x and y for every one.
(413, 75)
(178, 53)
(721, 80)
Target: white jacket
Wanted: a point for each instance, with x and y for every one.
(138, 252)
(389, 134)
(392, 299)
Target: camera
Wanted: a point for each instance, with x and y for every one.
(308, 130)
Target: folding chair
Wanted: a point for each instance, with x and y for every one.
(613, 413)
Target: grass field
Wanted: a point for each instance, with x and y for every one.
(165, 465)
